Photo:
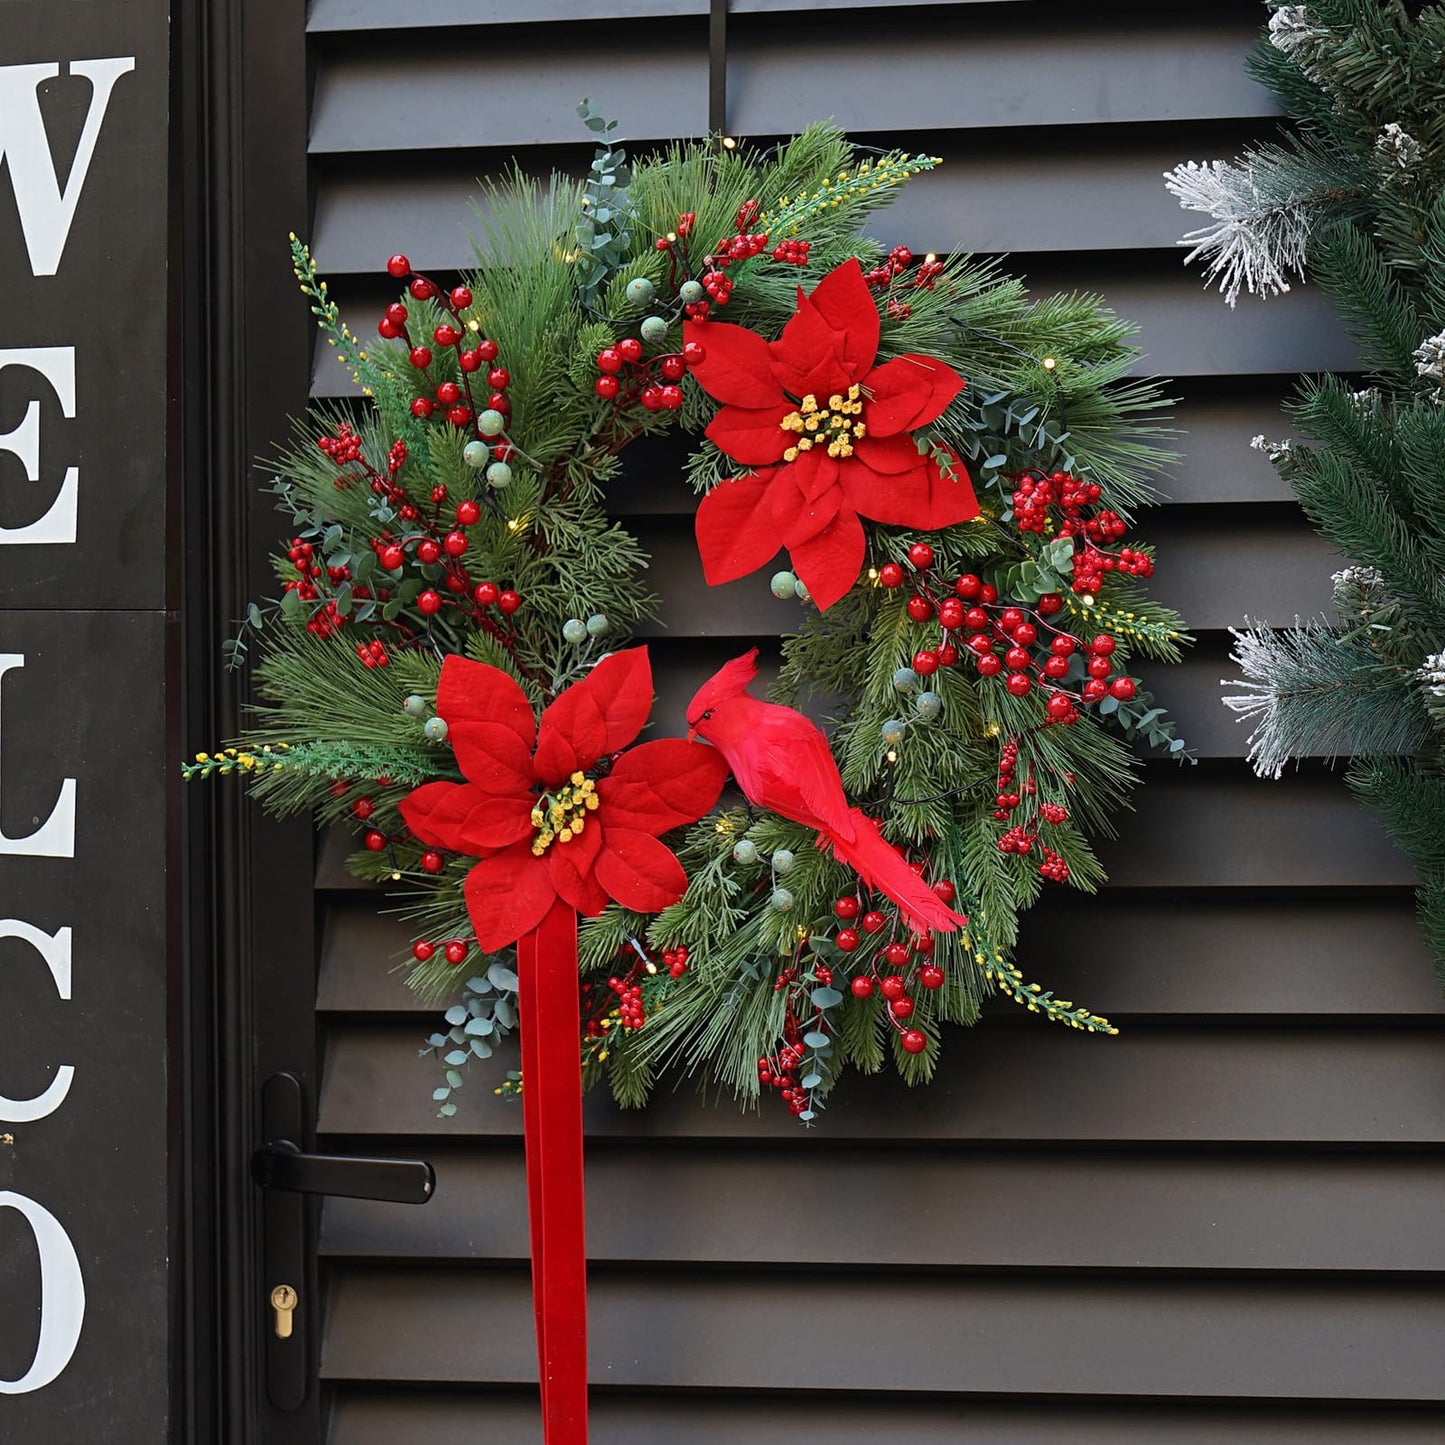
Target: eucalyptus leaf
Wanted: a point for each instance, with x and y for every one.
(826, 997)
(502, 978)
(456, 1014)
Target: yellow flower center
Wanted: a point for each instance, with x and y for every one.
(560, 816)
(832, 426)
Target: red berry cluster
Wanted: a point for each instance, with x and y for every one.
(630, 1012)
(625, 376)
(1053, 867)
(1036, 496)
(373, 653)
(434, 540)
(743, 244)
(913, 953)
(461, 405)
(1006, 799)
(973, 617)
(780, 1071)
(1090, 565)
(1021, 838)
(454, 951)
(674, 960)
(794, 253)
(717, 286)
(928, 273)
(342, 448)
(886, 275)
(741, 247)
(310, 577)
(900, 258)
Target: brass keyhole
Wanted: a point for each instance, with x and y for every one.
(283, 1300)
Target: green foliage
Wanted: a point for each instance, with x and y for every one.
(1365, 84)
(747, 966)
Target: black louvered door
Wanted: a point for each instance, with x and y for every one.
(1222, 1224)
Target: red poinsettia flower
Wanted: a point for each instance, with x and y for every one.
(827, 431)
(544, 819)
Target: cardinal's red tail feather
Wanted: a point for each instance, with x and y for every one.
(883, 868)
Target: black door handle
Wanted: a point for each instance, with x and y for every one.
(288, 1174)
(282, 1165)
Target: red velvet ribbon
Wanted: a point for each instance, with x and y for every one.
(552, 1123)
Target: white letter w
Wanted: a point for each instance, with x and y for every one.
(46, 210)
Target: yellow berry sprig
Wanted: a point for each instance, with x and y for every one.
(235, 760)
(328, 313)
(863, 180)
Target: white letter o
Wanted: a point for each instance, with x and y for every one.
(62, 1296)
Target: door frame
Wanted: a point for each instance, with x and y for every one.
(243, 985)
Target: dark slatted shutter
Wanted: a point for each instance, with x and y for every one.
(1215, 1226)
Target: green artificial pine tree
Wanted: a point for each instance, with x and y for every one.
(1354, 198)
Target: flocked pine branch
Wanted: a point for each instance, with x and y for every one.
(1317, 691)
(1263, 209)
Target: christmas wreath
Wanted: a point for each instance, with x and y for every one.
(938, 473)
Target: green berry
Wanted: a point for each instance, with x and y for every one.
(653, 330)
(499, 475)
(491, 423)
(803, 594)
(415, 706)
(892, 731)
(929, 705)
(905, 680)
(574, 630)
(691, 292)
(745, 851)
(640, 291)
(784, 585)
(475, 453)
(782, 861)
(782, 900)
(436, 729)
(598, 625)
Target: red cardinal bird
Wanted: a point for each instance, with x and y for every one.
(782, 762)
